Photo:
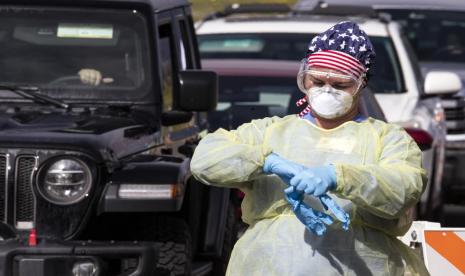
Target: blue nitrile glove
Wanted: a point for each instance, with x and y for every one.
(315, 181)
(341, 215)
(313, 220)
(285, 169)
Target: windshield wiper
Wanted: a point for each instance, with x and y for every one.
(31, 92)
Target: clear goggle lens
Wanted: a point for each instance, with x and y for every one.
(309, 78)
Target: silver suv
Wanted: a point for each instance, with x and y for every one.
(396, 81)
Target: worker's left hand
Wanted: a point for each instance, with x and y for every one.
(314, 181)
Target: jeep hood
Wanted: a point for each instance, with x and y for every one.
(107, 137)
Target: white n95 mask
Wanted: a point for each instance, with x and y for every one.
(329, 103)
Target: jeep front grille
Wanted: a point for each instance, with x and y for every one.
(22, 206)
(3, 183)
(24, 195)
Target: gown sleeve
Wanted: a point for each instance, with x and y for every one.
(229, 158)
(384, 192)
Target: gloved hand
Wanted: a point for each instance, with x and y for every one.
(285, 169)
(313, 220)
(341, 215)
(314, 181)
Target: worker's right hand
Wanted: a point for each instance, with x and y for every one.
(90, 76)
(285, 169)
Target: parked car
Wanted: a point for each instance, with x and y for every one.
(253, 89)
(95, 179)
(396, 81)
(436, 31)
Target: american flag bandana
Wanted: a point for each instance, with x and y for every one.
(338, 61)
(343, 47)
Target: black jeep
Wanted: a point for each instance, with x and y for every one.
(101, 105)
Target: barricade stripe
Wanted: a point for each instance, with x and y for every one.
(449, 245)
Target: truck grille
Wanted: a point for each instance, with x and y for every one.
(454, 109)
(24, 195)
(3, 183)
(455, 113)
(21, 199)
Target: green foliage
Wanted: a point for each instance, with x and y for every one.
(201, 8)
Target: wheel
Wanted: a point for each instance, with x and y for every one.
(175, 248)
(172, 237)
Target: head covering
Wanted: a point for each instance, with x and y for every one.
(343, 47)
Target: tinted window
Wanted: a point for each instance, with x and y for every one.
(261, 46)
(243, 98)
(435, 35)
(48, 47)
(166, 44)
(185, 46)
(386, 74)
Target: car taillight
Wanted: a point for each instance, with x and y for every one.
(423, 139)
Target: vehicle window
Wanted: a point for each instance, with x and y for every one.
(434, 35)
(166, 44)
(414, 61)
(261, 46)
(185, 46)
(386, 74)
(243, 98)
(47, 47)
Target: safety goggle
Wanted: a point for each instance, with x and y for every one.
(308, 78)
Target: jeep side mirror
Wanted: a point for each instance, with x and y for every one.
(198, 90)
(442, 83)
(174, 117)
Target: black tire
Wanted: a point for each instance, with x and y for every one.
(175, 248)
(230, 237)
(171, 235)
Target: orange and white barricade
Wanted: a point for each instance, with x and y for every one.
(442, 249)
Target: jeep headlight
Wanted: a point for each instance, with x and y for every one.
(65, 181)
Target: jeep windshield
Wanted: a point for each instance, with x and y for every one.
(49, 47)
(386, 72)
(435, 35)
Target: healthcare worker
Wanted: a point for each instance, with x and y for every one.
(368, 167)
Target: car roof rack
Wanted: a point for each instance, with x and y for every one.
(258, 8)
(323, 8)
